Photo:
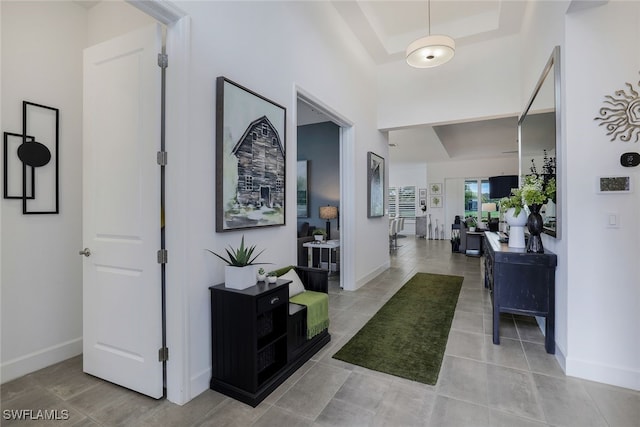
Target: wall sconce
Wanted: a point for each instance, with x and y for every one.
(328, 213)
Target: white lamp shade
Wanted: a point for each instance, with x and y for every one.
(489, 207)
(430, 51)
(328, 212)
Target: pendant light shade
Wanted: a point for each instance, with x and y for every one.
(430, 51)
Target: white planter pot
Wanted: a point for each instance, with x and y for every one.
(520, 220)
(239, 277)
(516, 227)
(318, 237)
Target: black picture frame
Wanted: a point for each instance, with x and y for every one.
(302, 189)
(250, 159)
(46, 131)
(375, 185)
(12, 142)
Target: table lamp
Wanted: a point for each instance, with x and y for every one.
(492, 207)
(328, 213)
(489, 207)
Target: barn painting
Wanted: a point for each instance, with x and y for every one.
(250, 159)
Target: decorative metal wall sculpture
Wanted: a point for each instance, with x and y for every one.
(622, 116)
(32, 152)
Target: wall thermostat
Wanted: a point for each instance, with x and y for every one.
(630, 159)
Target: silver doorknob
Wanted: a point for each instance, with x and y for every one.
(85, 252)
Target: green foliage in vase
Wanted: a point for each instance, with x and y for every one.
(533, 190)
(513, 201)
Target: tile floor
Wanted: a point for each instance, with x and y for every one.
(480, 384)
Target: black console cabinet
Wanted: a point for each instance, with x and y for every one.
(249, 339)
(520, 283)
(259, 338)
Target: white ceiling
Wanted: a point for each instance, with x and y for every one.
(386, 27)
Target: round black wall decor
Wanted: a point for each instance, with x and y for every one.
(34, 154)
(630, 159)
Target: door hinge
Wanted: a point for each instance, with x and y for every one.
(163, 256)
(163, 354)
(163, 60)
(162, 158)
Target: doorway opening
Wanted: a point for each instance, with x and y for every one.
(324, 147)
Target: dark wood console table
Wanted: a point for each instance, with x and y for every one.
(520, 283)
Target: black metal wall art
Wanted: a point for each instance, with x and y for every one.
(28, 158)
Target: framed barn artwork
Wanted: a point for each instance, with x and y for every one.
(250, 159)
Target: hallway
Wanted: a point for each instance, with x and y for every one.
(480, 384)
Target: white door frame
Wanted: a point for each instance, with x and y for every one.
(176, 216)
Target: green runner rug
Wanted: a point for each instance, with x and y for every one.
(408, 335)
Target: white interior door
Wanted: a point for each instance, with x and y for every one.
(122, 306)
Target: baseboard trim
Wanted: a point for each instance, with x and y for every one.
(200, 383)
(365, 279)
(32, 362)
(612, 375)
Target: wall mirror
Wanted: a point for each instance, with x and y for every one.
(539, 137)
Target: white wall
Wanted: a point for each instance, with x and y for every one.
(251, 44)
(109, 19)
(42, 274)
(485, 84)
(603, 286)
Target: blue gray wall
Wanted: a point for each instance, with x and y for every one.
(320, 145)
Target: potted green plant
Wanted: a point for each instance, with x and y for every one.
(272, 277)
(240, 271)
(262, 275)
(471, 222)
(319, 234)
(516, 217)
(513, 203)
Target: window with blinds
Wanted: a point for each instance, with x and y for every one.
(407, 201)
(402, 202)
(393, 202)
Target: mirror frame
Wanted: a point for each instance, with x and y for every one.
(553, 65)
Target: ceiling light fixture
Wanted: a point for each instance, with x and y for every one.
(430, 51)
